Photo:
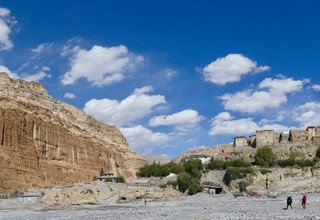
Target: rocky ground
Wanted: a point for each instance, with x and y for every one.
(200, 206)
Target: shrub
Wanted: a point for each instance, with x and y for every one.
(233, 173)
(186, 182)
(305, 163)
(159, 170)
(237, 163)
(216, 164)
(120, 179)
(108, 179)
(286, 163)
(193, 164)
(316, 159)
(193, 167)
(292, 162)
(264, 171)
(183, 181)
(318, 153)
(194, 187)
(297, 155)
(265, 157)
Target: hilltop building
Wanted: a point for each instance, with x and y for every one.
(270, 138)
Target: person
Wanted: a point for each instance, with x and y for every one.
(289, 202)
(304, 201)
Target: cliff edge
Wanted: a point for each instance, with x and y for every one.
(45, 142)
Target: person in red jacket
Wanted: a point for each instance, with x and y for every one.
(304, 201)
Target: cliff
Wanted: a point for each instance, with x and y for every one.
(45, 142)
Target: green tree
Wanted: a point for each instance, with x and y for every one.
(193, 167)
(265, 157)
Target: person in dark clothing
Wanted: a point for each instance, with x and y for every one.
(289, 202)
(304, 201)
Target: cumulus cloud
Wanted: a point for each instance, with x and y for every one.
(6, 23)
(316, 87)
(230, 69)
(142, 138)
(254, 101)
(124, 112)
(183, 121)
(100, 65)
(307, 114)
(69, 95)
(224, 123)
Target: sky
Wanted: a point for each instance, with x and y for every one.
(171, 75)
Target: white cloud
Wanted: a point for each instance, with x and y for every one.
(254, 101)
(224, 123)
(183, 121)
(41, 48)
(41, 74)
(121, 113)
(101, 65)
(316, 87)
(307, 114)
(69, 95)
(6, 23)
(140, 137)
(170, 73)
(11, 74)
(230, 69)
(284, 85)
(37, 76)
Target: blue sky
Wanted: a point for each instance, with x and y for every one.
(171, 75)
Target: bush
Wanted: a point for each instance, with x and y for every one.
(316, 159)
(265, 157)
(237, 163)
(120, 179)
(264, 171)
(218, 164)
(318, 153)
(193, 164)
(193, 167)
(194, 187)
(159, 170)
(233, 173)
(286, 163)
(108, 179)
(292, 162)
(297, 155)
(186, 182)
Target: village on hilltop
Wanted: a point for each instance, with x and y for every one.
(270, 137)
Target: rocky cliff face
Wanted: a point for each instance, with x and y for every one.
(44, 142)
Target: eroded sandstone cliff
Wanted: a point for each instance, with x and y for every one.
(45, 142)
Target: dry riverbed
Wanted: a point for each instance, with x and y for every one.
(200, 206)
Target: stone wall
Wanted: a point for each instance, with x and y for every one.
(239, 142)
(296, 136)
(264, 138)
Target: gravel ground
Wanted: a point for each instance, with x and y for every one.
(200, 206)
